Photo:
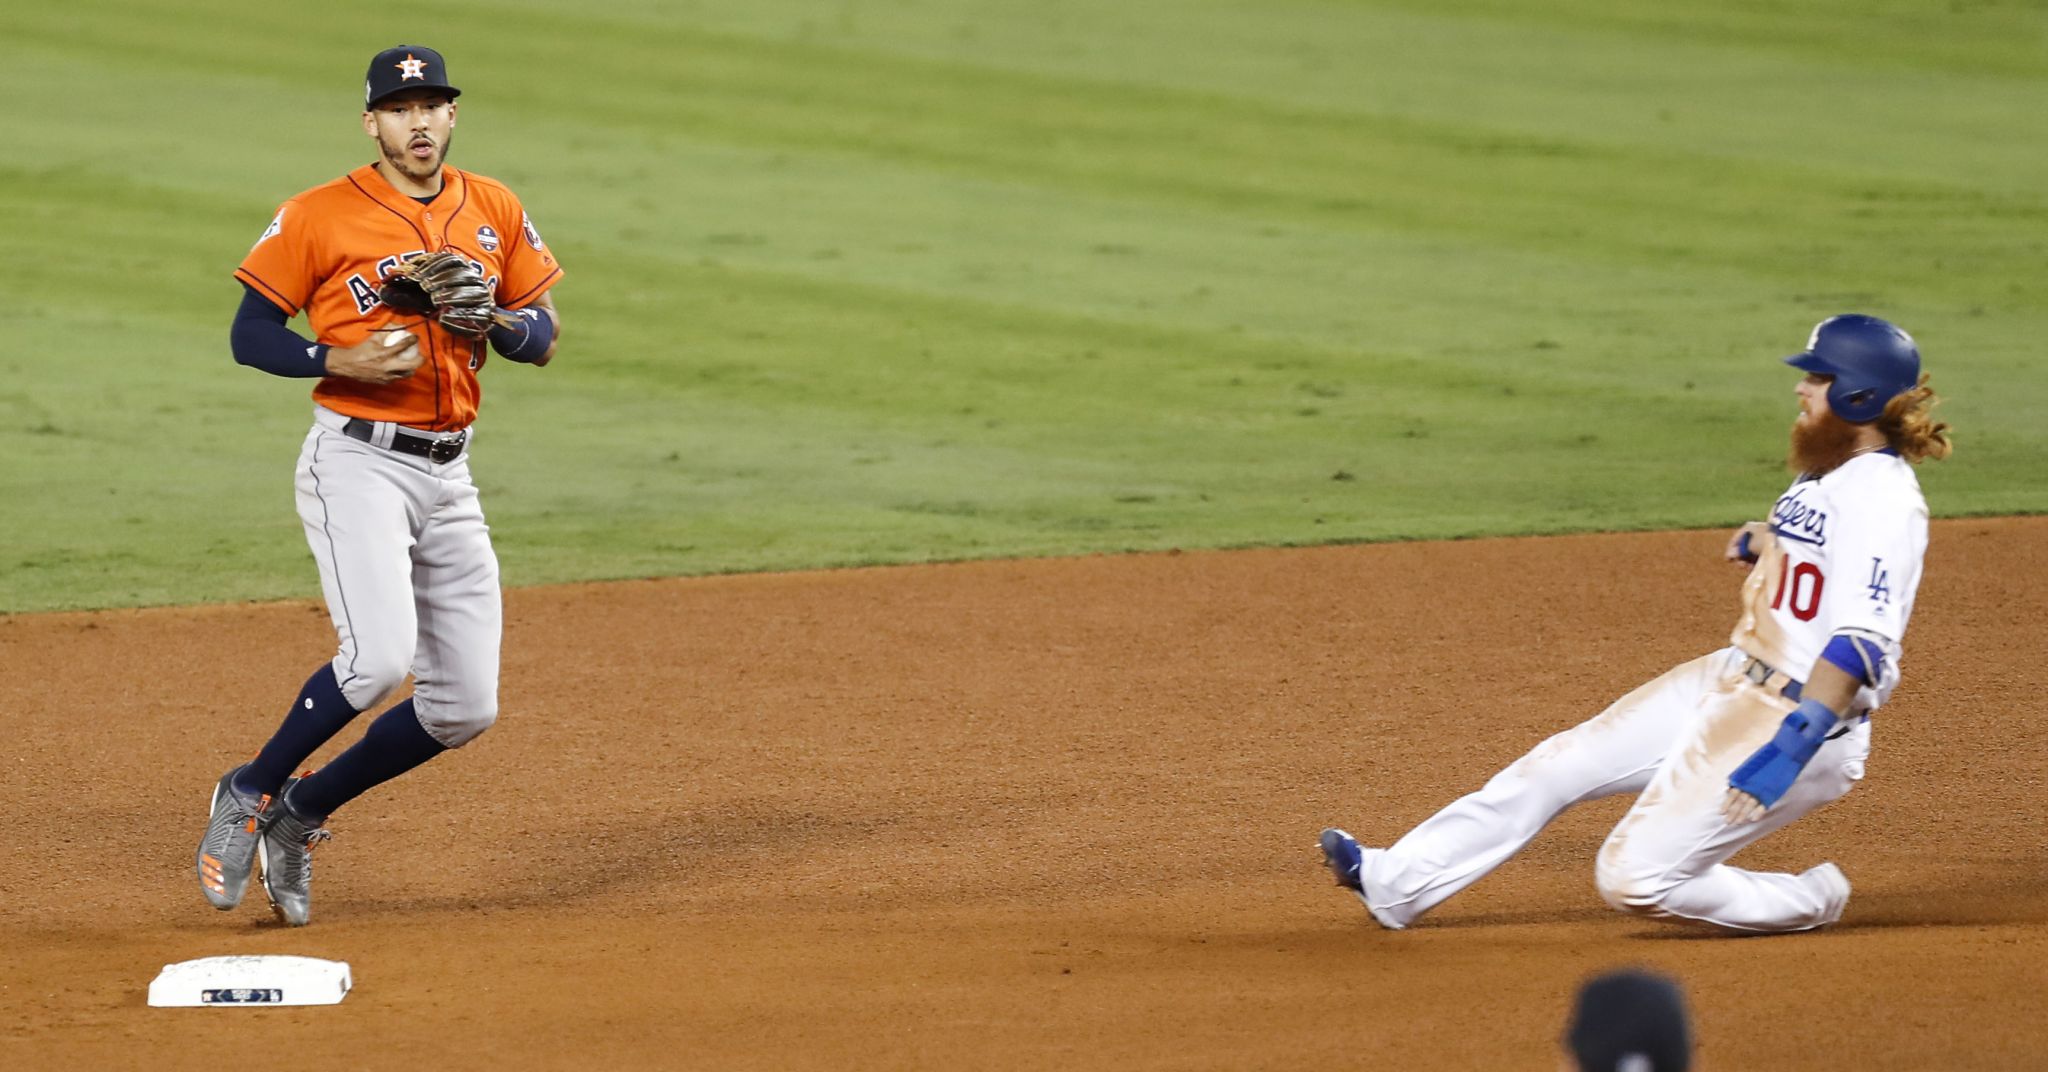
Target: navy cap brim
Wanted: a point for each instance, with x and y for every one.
(450, 91)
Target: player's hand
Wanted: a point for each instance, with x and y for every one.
(1739, 807)
(390, 354)
(1742, 545)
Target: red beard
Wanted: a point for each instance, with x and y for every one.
(1822, 444)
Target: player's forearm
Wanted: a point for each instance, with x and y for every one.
(1852, 659)
(1832, 686)
(260, 340)
(527, 335)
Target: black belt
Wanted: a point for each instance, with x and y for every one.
(1759, 672)
(441, 448)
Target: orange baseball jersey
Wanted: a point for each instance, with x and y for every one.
(330, 247)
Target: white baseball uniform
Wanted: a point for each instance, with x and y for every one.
(1843, 554)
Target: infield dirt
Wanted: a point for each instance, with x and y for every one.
(1015, 814)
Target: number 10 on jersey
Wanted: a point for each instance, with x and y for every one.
(1804, 581)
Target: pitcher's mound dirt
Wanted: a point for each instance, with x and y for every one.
(1035, 814)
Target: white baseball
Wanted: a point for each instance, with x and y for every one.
(393, 338)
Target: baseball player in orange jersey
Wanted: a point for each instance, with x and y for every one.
(383, 480)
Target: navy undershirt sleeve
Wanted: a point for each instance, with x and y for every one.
(261, 340)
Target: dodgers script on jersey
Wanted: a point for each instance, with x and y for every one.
(328, 249)
(1843, 553)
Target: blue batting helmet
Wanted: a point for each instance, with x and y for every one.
(1872, 361)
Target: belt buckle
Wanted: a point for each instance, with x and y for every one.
(1756, 671)
(447, 448)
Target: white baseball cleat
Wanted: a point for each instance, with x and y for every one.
(1835, 887)
(1347, 862)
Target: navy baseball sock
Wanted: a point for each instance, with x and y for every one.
(319, 713)
(395, 744)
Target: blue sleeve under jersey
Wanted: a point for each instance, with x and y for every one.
(1858, 656)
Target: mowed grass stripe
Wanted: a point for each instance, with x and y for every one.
(1796, 218)
(970, 443)
(850, 295)
(1782, 85)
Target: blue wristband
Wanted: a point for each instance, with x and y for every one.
(527, 338)
(1772, 770)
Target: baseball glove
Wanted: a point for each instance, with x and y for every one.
(443, 286)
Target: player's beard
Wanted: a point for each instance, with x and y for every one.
(420, 171)
(1820, 443)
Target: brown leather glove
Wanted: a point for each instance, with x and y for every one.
(444, 286)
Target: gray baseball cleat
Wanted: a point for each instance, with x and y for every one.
(288, 860)
(227, 850)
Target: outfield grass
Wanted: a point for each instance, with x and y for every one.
(929, 279)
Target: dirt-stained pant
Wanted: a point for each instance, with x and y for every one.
(1675, 740)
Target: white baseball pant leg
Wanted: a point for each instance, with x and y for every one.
(1665, 856)
(1616, 751)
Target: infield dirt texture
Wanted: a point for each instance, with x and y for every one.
(893, 285)
(1030, 814)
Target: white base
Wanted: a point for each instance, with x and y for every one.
(257, 982)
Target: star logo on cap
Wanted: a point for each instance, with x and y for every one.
(409, 68)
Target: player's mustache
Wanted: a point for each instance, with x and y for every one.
(399, 152)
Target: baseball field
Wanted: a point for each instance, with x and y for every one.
(1014, 472)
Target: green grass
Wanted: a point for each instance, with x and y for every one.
(933, 279)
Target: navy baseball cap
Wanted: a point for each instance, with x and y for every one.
(1630, 1021)
(403, 67)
